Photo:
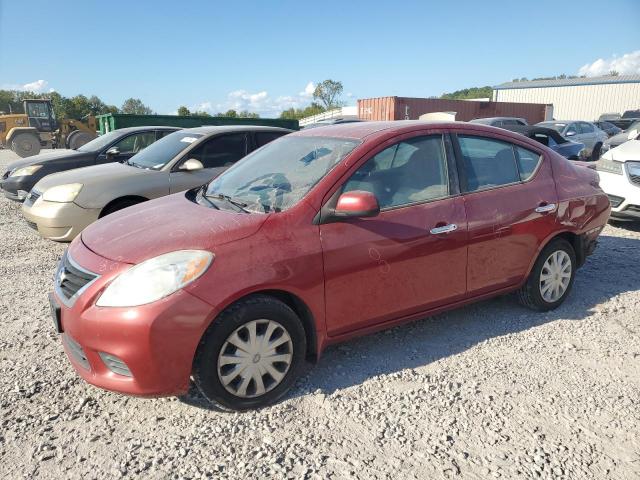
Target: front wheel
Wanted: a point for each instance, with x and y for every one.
(251, 354)
(552, 277)
(26, 144)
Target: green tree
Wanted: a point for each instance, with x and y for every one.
(298, 113)
(201, 113)
(183, 111)
(248, 114)
(229, 113)
(328, 92)
(136, 107)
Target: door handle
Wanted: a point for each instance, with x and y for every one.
(549, 207)
(444, 229)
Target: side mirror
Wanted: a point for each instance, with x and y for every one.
(191, 165)
(113, 152)
(357, 204)
(570, 133)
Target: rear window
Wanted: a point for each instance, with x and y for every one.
(528, 161)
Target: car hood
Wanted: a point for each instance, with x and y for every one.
(47, 157)
(628, 151)
(164, 225)
(618, 139)
(91, 175)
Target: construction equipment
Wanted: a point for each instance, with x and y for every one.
(25, 133)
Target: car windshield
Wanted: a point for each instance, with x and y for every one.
(277, 176)
(558, 127)
(102, 141)
(159, 153)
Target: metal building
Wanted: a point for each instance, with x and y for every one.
(576, 98)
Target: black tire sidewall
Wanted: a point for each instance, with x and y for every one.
(114, 207)
(534, 279)
(205, 363)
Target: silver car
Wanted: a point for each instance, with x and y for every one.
(61, 205)
(579, 131)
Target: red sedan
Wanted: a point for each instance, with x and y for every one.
(319, 236)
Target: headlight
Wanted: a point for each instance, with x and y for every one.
(609, 166)
(155, 278)
(24, 171)
(62, 193)
(633, 168)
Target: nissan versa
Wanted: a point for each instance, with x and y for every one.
(60, 205)
(319, 236)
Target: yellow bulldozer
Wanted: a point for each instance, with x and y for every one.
(26, 133)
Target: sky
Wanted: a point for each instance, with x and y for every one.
(266, 56)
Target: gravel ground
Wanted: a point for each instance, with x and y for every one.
(487, 391)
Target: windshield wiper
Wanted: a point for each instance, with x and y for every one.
(204, 196)
(231, 200)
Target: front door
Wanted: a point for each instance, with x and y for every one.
(511, 204)
(216, 155)
(409, 258)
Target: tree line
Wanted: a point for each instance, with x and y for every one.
(76, 107)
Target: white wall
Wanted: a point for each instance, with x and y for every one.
(580, 102)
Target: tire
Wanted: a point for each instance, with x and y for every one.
(266, 314)
(531, 293)
(26, 144)
(78, 139)
(595, 153)
(118, 205)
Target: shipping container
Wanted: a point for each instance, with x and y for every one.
(114, 121)
(405, 108)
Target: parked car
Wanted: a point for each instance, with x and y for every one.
(608, 128)
(116, 146)
(61, 205)
(619, 170)
(583, 132)
(319, 236)
(626, 119)
(552, 139)
(501, 121)
(631, 133)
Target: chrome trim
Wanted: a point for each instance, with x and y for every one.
(444, 229)
(546, 208)
(56, 281)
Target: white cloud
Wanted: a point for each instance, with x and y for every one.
(628, 64)
(36, 86)
(260, 102)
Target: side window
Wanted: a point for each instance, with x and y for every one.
(572, 127)
(586, 127)
(408, 172)
(262, 138)
(222, 151)
(487, 162)
(136, 142)
(162, 133)
(527, 162)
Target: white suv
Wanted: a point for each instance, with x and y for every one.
(619, 171)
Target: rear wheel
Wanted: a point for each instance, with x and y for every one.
(251, 354)
(26, 144)
(552, 277)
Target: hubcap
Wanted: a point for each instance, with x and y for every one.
(255, 358)
(555, 276)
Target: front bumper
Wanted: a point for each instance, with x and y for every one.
(154, 343)
(58, 221)
(623, 194)
(16, 188)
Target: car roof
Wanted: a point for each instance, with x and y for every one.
(488, 119)
(364, 130)
(208, 129)
(528, 130)
(145, 128)
(562, 121)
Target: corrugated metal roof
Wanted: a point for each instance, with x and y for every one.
(570, 82)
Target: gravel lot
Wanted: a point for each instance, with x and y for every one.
(487, 391)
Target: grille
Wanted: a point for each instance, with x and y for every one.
(70, 278)
(632, 208)
(32, 197)
(76, 351)
(615, 201)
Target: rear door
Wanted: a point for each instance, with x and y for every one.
(511, 203)
(409, 258)
(216, 154)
